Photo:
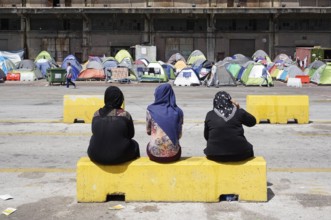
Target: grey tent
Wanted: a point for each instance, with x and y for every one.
(224, 77)
(176, 57)
(237, 59)
(26, 64)
(221, 77)
(260, 54)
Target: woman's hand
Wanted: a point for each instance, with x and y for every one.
(235, 103)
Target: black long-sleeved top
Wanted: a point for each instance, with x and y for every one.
(227, 138)
(111, 139)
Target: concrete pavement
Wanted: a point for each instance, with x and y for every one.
(39, 154)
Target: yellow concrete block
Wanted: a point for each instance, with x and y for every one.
(279, 108)
(81, 107)
(194, 179)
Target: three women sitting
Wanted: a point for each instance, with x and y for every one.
(113, 130)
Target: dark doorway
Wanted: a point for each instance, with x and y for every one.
(67, 3)
(56, 3)
(230, 3)
(242, 46)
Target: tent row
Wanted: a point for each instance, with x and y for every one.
(257, 70)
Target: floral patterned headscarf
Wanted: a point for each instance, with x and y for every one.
(223, 105)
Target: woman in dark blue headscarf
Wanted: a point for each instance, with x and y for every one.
(164, 122)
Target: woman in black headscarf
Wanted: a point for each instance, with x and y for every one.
(224, 130)
(112, 132)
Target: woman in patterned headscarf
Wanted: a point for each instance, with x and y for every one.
(224, 130)
(112, 132)
(164, 122)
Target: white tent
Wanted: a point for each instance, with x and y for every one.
(187, 77)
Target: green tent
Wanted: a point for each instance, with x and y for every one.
(195, 56)
(154, 73)
(234, 69)
(322, 76)
(310, 70)
(120, 55)
(254, 76)
(45, 55)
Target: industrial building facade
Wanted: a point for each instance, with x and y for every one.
(219, 28)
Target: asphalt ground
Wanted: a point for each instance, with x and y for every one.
(39, 154)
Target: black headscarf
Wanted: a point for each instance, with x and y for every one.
(223, 105)
(113, 100)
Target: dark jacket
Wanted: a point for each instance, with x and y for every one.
(111, 140)
(227, 138)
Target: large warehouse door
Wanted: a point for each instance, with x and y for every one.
(183, 46)
(242, 46)
(57, 47)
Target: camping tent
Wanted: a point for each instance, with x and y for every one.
(45, 55)
(311, 68)
(124, 59)
(261, 56)
(169, 70)
(195, 56)
(322, 76)
(154, 73)
(234, 69)
(238, 59)
(223, 77)
(187, 77)
(28, 70)
(243, 68)
(197, 66)
(140, 66)
(290, 72)
(109, 63)
(179, 65)
(94, 70)
(14, 56)
(6, 64)
(256, 74)
(44, 61)
(76, 66)
(43, 65)
(176, 57)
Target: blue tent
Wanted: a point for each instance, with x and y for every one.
(76, 66)
(43, 65)
(108, 64)
(6, 64)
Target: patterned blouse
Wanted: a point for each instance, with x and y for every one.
(160, 144)
(115, 112)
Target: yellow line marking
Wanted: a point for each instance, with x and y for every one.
(29, 121)
(138, 121)
(306, 134)
(300, 170)
(37, 170)
(73, 170)
(80, 134)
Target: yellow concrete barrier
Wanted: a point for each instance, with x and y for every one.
(81, 107)
(194, 179)
(279, 108)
